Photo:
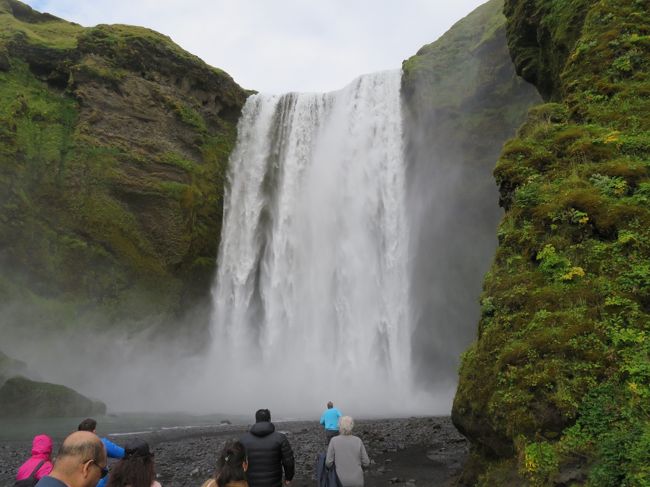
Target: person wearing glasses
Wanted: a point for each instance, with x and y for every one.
(80, 462)
(136, 469)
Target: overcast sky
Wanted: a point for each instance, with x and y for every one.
(276, 46)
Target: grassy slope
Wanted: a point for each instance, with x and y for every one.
(557, 384)
(95, 224)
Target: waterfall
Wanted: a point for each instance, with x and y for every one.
(311, 300)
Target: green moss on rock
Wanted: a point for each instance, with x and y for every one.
(556, 386)
(24, 398)
(114, 143)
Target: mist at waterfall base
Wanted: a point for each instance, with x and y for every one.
(349, 270)
(312, 297)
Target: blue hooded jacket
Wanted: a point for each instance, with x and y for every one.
(330, 419)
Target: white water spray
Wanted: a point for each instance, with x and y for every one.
(311, 301)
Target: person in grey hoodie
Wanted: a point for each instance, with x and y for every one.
(347, 452)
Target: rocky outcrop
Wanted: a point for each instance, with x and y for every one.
(463, 100)
(113, 146)
(24, 398)
(553, 392)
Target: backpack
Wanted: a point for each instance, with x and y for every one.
(30, 481)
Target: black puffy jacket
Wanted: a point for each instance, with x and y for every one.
(268, 454)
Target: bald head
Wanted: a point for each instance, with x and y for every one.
(84, 445)
(80, 460)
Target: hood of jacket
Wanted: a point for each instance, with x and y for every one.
(42, 446)
(263, 428)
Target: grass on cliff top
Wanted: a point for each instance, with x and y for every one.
(119, 38)
(446, 61)
(19, 20)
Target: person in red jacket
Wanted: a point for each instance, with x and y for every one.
(41, 452)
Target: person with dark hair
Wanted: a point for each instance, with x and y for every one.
(112, 450)
(136, 469)
(330, 420)
(80, 462)
(40, 463)
(269, 453)
(231, 467)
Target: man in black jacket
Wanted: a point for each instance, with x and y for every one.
(269, 453)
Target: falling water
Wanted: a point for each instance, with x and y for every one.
(311, 301)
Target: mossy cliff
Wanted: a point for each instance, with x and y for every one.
(463, 100)
(556, 389)
(113, 149)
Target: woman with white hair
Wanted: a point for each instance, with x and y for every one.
(347, 452)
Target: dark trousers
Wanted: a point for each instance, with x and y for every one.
(329, 434)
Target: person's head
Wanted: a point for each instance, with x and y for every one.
(42, 446)
(262, 415)
(330, 405)
(232, 464)
(88, 424)
(81, 460)
(136, 469)
(346, 423)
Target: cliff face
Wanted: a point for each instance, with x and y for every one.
(113, 149)
(463, 100)
(555, 390)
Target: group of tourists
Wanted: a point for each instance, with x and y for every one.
(262, 457)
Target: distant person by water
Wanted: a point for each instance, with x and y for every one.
(112, 450)
(231, 467)
(269, 453)
(348, 453)
(136, 469)
(330, 421)
(80, 462)
(40, 463)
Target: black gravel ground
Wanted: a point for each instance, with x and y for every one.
(409, 452)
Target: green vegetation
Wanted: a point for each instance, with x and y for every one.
(114, 143)
(557, 384)
(24, 398)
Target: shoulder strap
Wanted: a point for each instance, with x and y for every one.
(38, 467)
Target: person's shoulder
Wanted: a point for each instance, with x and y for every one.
(48, 481)
(155, 483)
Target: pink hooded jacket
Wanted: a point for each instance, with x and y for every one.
(41, 450)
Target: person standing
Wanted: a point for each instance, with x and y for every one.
(80, 462)
(40, 463)
(269, 453)
(348, 454)
(330, 421)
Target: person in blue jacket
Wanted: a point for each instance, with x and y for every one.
(112, 450)
(330, 420)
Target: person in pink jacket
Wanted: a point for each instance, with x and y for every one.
(41, 452)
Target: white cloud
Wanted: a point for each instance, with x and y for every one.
(282, 45)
